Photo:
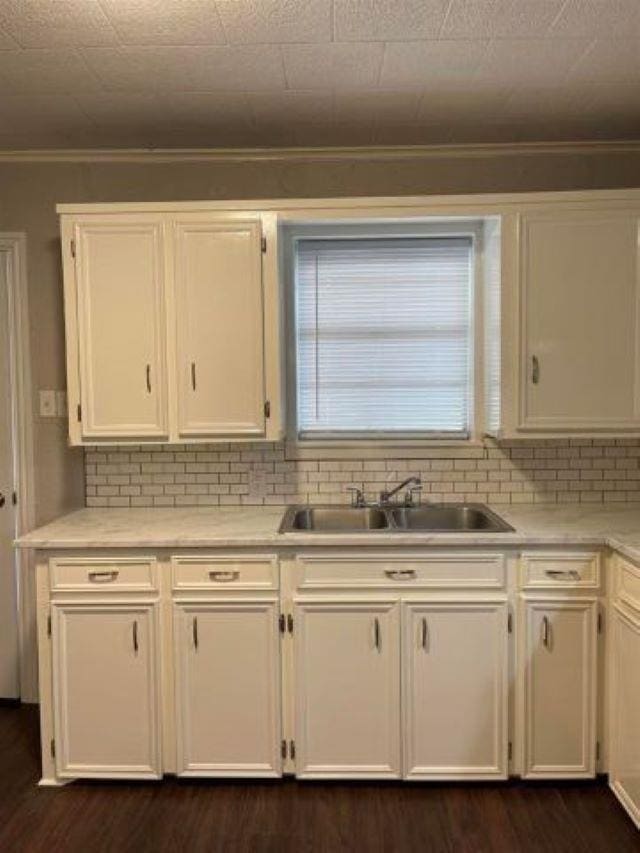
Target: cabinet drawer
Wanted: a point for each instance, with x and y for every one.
(218, 572)
(103, 574)
(569, 569)
(477, 571)
(628, 585)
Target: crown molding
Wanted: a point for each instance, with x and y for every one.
(244, 155)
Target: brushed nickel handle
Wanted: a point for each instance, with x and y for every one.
(195, 632)
(535, 369)
(224, 577)
(376, 634)
(572, 574)
(424, 635)
(400, 574)
(135, 636)
(193, 375)
(2, 500)
(545, 631)
(148, 374)
(103, 577)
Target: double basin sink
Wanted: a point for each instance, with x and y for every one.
(429, 518)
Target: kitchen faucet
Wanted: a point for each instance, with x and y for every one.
(385, 496)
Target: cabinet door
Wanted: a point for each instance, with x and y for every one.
(228, 688)
(220, 354)
(580, 297)
(455, 690)
(347, 690)
(558, 671)
(121, 327)
(625, 712)
(106, 690)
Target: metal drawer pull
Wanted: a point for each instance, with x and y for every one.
(103, 577)
(572, 574)
(400, 574)
(535, 369)
(224, 577)
(193, 375)
(424, 636)
(545, 631)
(195, 632)
(148, 378)
(135, 636)
(376, 634)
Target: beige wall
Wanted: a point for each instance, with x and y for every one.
(30, 191)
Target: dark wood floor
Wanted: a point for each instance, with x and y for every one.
(291, 816)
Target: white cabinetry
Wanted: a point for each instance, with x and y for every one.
(347, 674)
(106, 690)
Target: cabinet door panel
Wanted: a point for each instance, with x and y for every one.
(218, 272)
(455, 690)
(228, 689)
(558, 668)
(106, 683)
(121, 327)
(347, 690)
(625, 712)
(580, 283)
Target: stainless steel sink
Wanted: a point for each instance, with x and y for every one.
(339, 519)
(434, 518)
(448, 518)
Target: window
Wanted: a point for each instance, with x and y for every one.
(383, 336)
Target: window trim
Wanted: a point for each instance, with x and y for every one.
(409, 444)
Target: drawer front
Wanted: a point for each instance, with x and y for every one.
(103, 574)
(220, 572)
(628, 586)
(477, 571)
(561, 570)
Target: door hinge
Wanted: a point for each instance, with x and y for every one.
(73, 248)
(267, 409)
(283, 749)
(52, 747)
(263, 244)
(282, 624)
(292, 749)
(600, 622)
(510, 623)
(48, 624)
(510, 751)
(14, 498)
(79, 412)
(290, 623)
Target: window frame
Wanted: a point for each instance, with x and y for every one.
(367, 444)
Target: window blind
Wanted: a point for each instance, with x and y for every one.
(383, 336)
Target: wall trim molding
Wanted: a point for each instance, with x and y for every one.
(377, 153)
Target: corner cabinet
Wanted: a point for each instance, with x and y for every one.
(172, 325)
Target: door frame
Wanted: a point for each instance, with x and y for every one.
(13, 257)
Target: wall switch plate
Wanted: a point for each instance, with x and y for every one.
(47, 404)
(61, 404)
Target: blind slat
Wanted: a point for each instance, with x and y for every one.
(383, 335)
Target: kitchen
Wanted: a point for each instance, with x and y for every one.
(323, 447)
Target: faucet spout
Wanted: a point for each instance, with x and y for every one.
(386, 496)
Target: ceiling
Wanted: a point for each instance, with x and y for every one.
(219, 73)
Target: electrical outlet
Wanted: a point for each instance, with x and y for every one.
(47, 404)
(61, 404)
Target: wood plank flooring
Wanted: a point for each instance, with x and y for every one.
(289, 816)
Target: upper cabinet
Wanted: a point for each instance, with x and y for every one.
(172, 323)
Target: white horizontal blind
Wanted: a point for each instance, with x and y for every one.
(383, 336)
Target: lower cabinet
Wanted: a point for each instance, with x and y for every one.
(227, 657)
(455, 690)
(106, 686)
(558, 687)
(347, 686)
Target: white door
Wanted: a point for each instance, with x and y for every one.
(454, 660)
(228, 688)
(625, 712)
(9, 680)
(347, 681)
(220, 352)
(580, 293)
(121, 326)
(106, 688)
(558, 672)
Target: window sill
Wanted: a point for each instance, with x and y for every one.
(390, 449)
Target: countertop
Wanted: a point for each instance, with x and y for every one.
(200, 527)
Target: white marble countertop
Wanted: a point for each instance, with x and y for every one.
(196, 527)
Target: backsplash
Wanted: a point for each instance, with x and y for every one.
(568, 471)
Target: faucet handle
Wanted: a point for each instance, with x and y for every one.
(408, 498)
(357, 496)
